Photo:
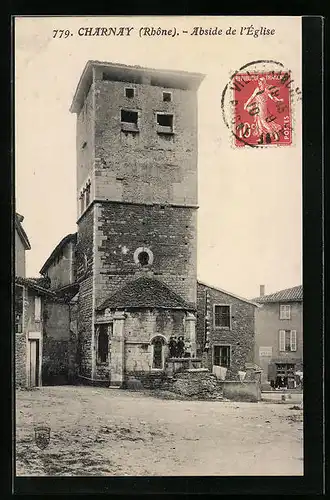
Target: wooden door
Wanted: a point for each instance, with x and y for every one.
(34, 362)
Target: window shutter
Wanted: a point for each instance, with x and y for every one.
(293, 340)
(37, 309)
(271, 371)
(282, 340)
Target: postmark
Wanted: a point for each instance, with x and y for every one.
(257, 105)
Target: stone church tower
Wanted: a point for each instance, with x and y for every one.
(137, 215)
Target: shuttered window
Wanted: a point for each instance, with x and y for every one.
(293, 340)
(282, 340)
(285, 311)
(287, 340)
(37, 309)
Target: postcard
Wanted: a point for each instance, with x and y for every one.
(158, 246)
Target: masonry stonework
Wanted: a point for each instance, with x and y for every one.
(84, 257)
(240, 336)
(142, 197)
(169, 232)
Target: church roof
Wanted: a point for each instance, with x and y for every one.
(147, 293)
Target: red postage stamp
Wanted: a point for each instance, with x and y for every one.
(262, 111)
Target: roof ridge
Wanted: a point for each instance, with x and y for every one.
(249, 301)
(283, 294)
(172, 295)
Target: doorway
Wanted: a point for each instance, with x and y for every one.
(285, 378)
(33, 363)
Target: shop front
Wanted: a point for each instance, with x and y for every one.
(282, 374)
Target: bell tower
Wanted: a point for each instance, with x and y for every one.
(136, 184)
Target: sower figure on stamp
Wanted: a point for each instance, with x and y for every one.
(264, 123)
(172, 347)
(180, 352)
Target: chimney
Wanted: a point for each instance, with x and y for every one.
(262, 290)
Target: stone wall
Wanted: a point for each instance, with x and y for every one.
(241, 391)
(61, 270)
(170, 234)
(84, 257)
(145, 167)
(58, 344)
(29, 324)
(199, 383)
(140, 326)
(85, 141)
(21, 304)
(240, 336)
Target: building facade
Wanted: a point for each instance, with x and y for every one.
(279, 336)
(43, 340)
(226, 328)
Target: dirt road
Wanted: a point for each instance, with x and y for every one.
(100, 431)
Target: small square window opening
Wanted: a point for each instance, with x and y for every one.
(129, 120)
(164, 123)
(129, 92)
(167, 96)
(129, 116)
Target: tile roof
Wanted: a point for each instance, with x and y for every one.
(32, 283)
(294, 294)
(145, 293)
(203, 283)
(42, 281)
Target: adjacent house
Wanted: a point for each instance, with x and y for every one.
(225, 329)
(43, 342)
(30, 299)
(279, 336)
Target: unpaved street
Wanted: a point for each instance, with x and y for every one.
(100, 431)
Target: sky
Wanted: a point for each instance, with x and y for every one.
(250, 199)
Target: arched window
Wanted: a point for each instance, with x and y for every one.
(103, 344)
(158, 344)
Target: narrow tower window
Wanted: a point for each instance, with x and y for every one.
(164, 123)
(82, 202)
(129, 120)
(167, 96)
(88, 194)
(129, 92)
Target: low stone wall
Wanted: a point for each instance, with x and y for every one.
(174, 365)
(149, 380)
(241, 391)
(196, 383)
